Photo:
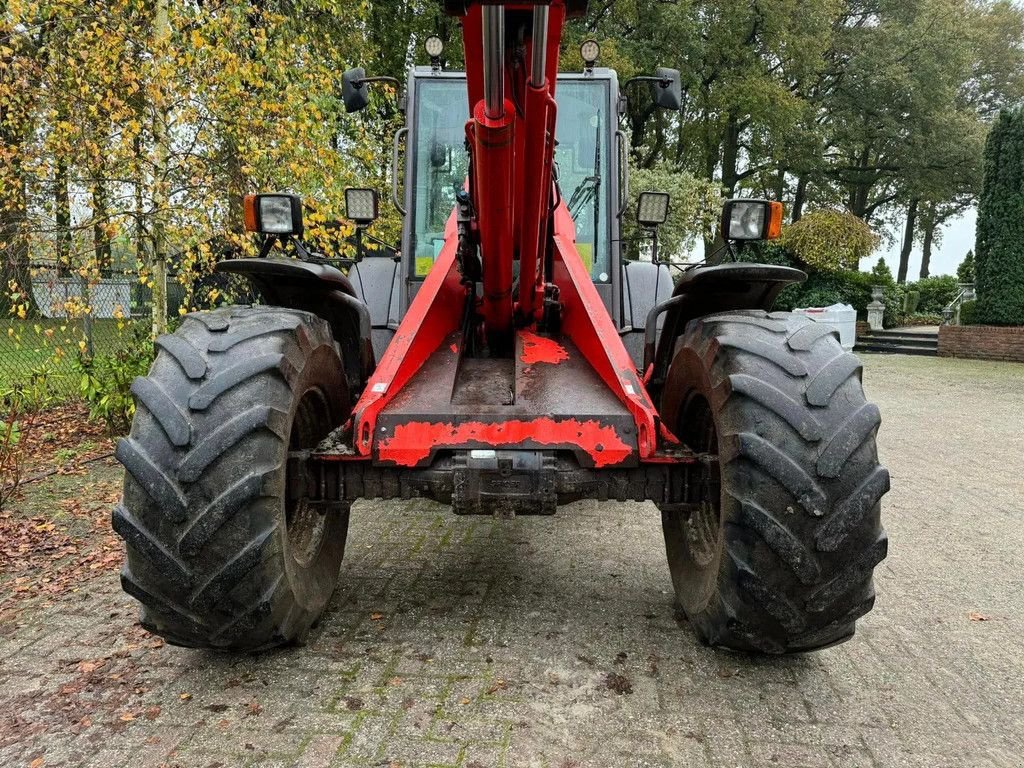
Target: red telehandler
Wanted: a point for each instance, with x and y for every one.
(505, 361)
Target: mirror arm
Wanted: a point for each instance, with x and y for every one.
(664, 82)
(378, 79)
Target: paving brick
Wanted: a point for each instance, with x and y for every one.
(552, 607)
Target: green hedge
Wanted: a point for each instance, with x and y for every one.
(999, 256)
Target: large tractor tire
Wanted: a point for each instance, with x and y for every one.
(781, 560)
(217, 554)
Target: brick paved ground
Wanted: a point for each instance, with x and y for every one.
(553, 642)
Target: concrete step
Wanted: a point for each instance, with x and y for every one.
(899, 342)
(907, 340)
(896, 349)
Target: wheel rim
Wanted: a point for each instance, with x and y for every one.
(305, 523)
(703, 527)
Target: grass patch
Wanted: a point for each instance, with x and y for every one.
(51, 345)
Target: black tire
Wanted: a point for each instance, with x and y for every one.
(781, 560)
(215, 554)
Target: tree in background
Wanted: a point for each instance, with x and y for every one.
(880, 107)
(131, 129)
(999, 260)
(965, 272)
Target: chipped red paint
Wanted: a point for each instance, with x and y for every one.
(540, 349)
(414, 441)
(454, 348)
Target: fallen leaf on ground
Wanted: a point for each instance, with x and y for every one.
(975, 616)
(376, 616)
(618, 683)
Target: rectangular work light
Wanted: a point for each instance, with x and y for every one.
(652, 209)
(275, 214)
(747, 220)
(361, 205)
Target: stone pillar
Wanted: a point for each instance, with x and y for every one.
(876, 309)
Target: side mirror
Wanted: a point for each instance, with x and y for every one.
(354, 92)
(750, 220)
(668, 89)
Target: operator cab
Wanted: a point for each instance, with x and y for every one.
(590, 169)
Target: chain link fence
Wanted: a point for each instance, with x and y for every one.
(75, 319)
(71, 319)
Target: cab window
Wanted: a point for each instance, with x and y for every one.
(582, 155)
(441, 165)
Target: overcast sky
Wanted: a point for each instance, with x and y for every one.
(957, 240)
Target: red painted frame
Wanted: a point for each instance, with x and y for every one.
(511, 187)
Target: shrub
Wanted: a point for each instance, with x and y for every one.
(999, 255)
(921, 319)
(910, 301)
(107, 379)
(894, 297)
(936, 293)
(830, 240)
(969, 313)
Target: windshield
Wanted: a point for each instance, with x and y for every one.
(582, 156)
(440, 164)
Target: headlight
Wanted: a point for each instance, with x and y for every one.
(746, 220)
(274, 214)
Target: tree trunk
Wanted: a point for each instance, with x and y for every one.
(161, 156)
(62, 217)
(780, 183)
(929, 240)
(15, 270)
(799, 199)
(100, 241)
(730, 156)
(908, 241)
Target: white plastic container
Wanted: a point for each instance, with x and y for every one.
(842, 317)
